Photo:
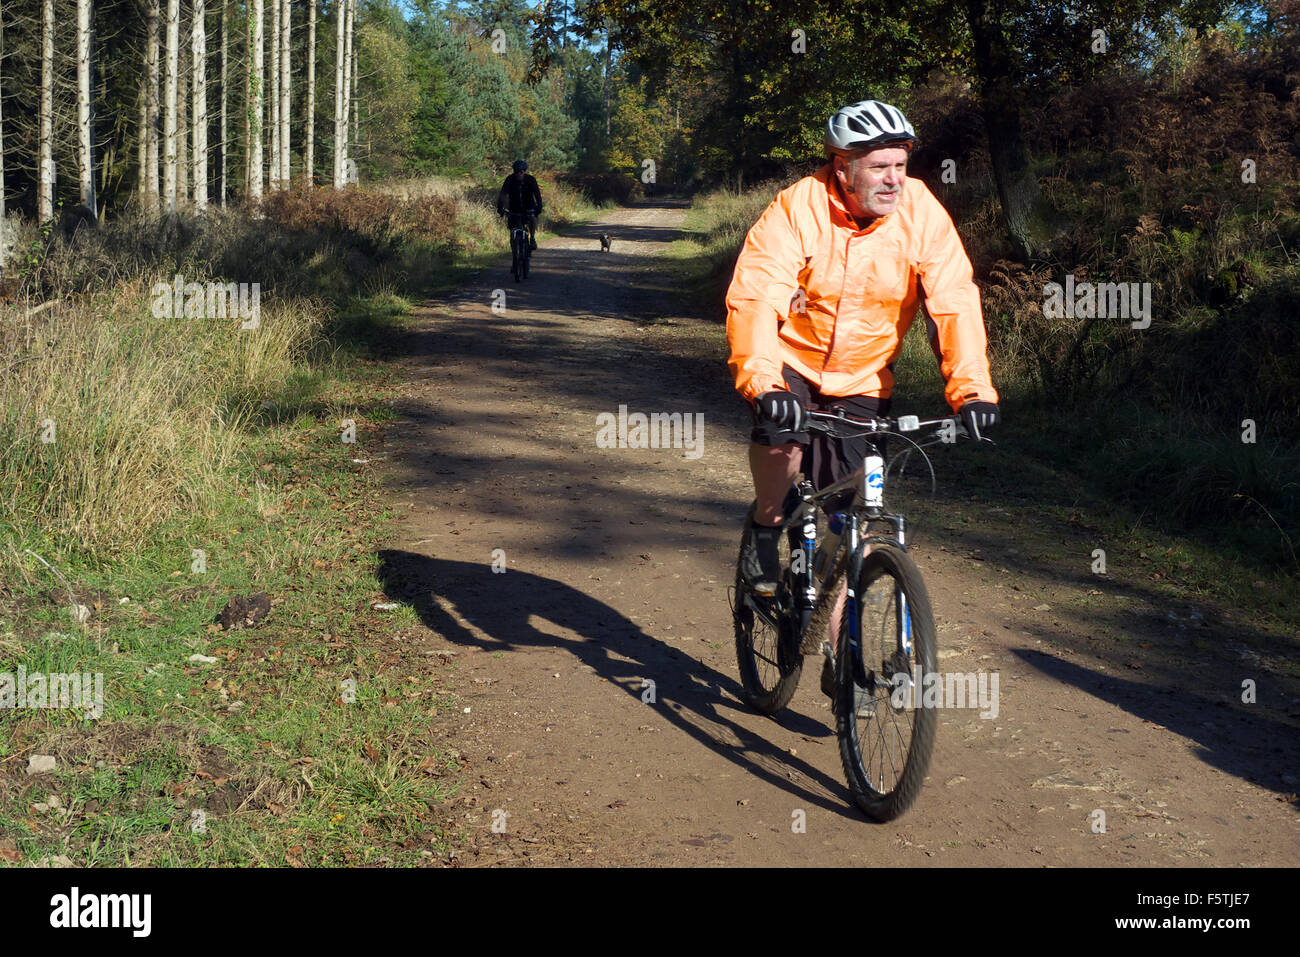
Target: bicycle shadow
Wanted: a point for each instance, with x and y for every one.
(500, 608)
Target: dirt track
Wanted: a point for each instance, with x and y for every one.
(618, 564)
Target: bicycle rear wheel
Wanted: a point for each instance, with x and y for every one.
(767, 650)
(886, 734)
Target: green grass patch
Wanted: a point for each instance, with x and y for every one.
(304, 740)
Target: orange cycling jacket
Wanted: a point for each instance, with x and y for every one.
(860, 292)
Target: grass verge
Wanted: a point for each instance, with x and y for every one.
(194, 464)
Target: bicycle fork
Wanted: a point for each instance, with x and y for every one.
(807, 579)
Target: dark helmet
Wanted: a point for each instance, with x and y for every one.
(520, 166)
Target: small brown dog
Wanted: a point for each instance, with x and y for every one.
(605, 242)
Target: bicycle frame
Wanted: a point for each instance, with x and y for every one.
(846, 559)
(812, 597)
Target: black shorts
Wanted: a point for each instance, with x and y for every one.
(826, 460)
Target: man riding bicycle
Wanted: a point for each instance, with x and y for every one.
(520, 196)
(825, 288)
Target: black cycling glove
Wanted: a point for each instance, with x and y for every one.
(979, 417)
(782, 408)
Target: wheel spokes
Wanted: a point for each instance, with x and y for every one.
(764, 644)
(889, 729)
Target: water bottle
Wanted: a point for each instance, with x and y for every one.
(874, 493)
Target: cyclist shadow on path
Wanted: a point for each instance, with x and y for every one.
(499, 607)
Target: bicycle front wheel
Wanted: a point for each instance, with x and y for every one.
(767, 651)
(887, 646)
(516, 257)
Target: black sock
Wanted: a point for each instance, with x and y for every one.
(767, 542)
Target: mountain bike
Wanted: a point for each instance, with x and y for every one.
(886, 641)
(520, 253)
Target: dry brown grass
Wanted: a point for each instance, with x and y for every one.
(144, 413)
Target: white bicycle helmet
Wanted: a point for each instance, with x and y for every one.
(866, 125)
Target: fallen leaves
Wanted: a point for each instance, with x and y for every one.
(428, 765)
(9, 852)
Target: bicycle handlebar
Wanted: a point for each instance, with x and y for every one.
(900, 425)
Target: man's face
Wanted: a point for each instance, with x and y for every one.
(873, 182)
(519, 174)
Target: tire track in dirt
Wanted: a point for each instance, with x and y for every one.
(618, 567)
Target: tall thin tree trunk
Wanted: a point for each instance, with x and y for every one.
(170, 86)
(153, 74)
(248, 94)
(354, 55)
(309, 161)
(199, 57)
(255, 105)
(183, 125)
(85, 158)
(273, 89)
(340, 59)
(45, 161)
(338, 92)
(607, 70)
(349, 16)
(285, 87)
(225, 125)
(142, 144)
(107, 163)
(2, 123)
